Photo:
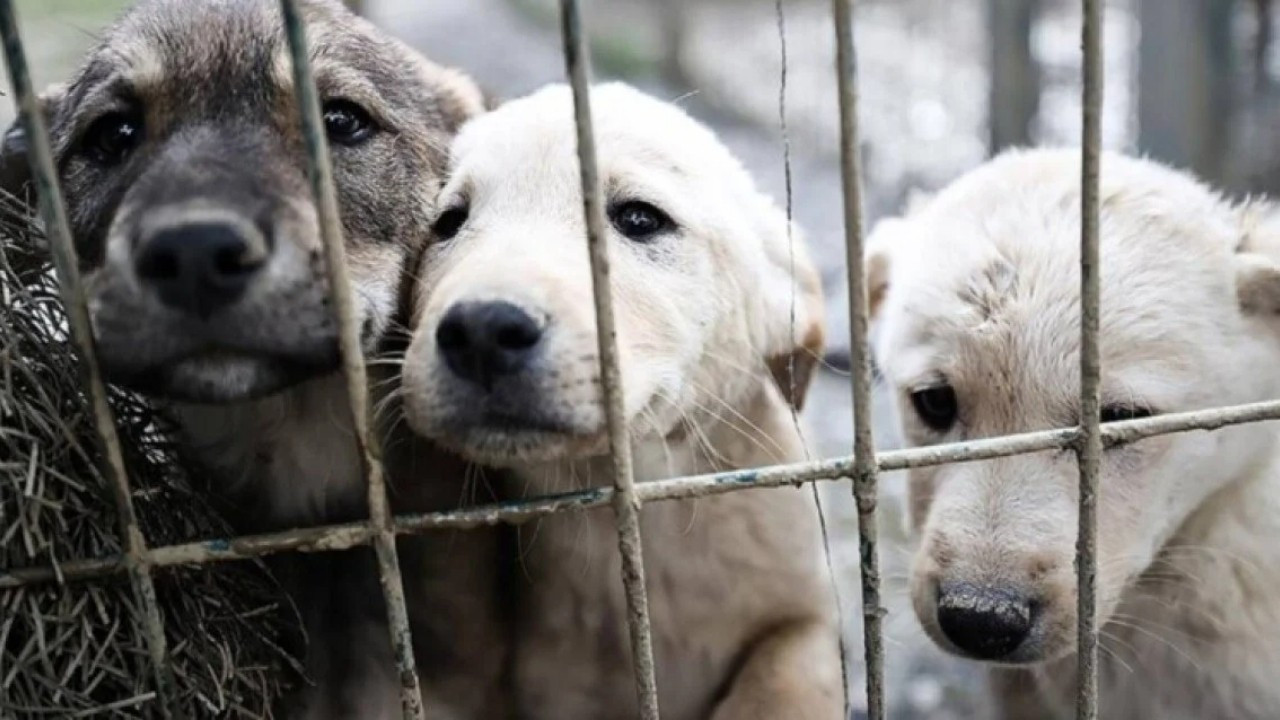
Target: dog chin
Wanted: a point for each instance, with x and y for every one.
(505, 442)
(221, 377)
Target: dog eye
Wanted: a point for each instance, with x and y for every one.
(937, 406)
(112, 137)
(639, 221)
(347, 123)
(1117, 413)
(450, 222)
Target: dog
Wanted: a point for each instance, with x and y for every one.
(181, 156)
(503, 369)
(975, 303)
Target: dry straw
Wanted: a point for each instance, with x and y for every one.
(68, 650)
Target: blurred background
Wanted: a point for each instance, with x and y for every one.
(943, 83)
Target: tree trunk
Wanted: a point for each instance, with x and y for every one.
(1015, 77)
(674, 28)
(1186, 97)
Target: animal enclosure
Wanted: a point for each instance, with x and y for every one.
(625, 496)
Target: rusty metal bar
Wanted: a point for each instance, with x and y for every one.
(353, 367)
(53, 212)
(1089, 450)
(864, 470)
(349, 535)
(626, 502)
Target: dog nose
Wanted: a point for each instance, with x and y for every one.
(200, 267)
(482, 342)
(987, 623)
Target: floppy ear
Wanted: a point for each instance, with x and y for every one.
(15, 170)
(460, 96)
(1257, 285)
(793, 305)
(878, 250)
(1258, 263)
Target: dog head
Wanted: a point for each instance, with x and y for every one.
(708, 292)
(181, 157)
(976, 302)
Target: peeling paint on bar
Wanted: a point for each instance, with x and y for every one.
(321, 176)
(625, 500)
(54, 214)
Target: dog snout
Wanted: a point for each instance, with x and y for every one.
(483, 342)
(987, 623)
(199, 267)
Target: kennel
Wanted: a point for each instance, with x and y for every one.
(625, 497)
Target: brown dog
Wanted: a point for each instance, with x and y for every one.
(182, 161)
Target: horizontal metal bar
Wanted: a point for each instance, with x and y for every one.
(348, 535)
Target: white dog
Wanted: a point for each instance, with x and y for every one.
(976, 301)
(503, 368)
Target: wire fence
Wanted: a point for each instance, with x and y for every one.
(625, 496)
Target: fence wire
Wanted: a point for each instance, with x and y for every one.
(626, 502)
(1089, 451)
(1088, 439)
(864, 447)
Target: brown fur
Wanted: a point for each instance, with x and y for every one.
(253, 383)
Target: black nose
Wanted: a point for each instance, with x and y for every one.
(198, 268)
(482, 342)
(987, 623)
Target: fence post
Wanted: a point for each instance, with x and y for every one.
(1186, 101)
(626, 503)
(864, 458)
(1014, 97)
(1089, 450)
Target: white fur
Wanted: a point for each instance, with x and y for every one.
(743, 623)
(981, 287)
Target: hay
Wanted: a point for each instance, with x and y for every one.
(78, 650)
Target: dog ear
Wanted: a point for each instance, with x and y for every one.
(15, 168)
(460, 97)
(877, 252)
(1258, 262)
(792, 292)
(1257, 284)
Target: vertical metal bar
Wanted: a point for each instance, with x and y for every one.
(864, 473)
(626, 504)
(58, 231)
(353, 367)
(1089, 451)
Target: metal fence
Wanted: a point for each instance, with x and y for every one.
(626, 497)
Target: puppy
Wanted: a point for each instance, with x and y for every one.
(182, 160)
(503, 369)
(976, 306)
